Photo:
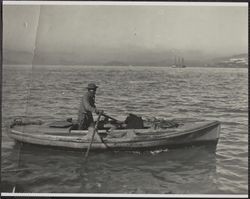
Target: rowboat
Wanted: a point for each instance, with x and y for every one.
(194, 133)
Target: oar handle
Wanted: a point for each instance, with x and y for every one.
(97, 121)
(110, 117)
(93, 135)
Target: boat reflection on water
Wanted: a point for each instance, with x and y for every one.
(177, 171)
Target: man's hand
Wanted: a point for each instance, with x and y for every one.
(99, 111)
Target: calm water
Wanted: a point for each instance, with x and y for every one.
(190, 93)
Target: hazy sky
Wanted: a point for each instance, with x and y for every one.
(109, 32)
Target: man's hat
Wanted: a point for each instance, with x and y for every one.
(92, 86)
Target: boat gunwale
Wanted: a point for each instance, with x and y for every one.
(78, 139)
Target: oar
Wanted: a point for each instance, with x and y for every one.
(93, 135)
(110, 117)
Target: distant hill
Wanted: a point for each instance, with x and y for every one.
(115, 63)
(234, 61)
(133, 57)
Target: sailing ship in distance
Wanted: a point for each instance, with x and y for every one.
(178, 63)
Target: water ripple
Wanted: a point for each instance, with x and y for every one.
(54, 93)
